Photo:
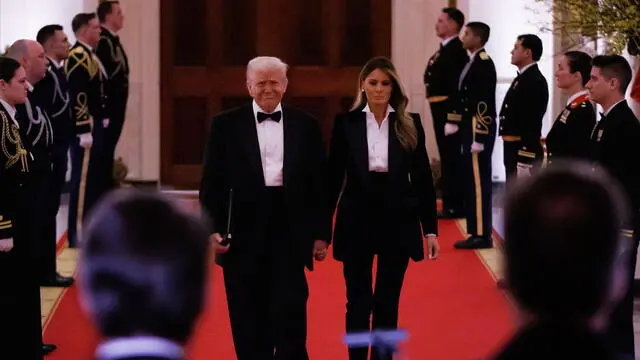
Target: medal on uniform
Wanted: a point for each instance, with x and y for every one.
(564, 116)
(599, 135)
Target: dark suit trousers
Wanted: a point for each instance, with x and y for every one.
(43, 227)
(112, 136)
(449, 147)
(621, 327)
(478, 190)
(267, 292)
(510, 154)
(20, 323)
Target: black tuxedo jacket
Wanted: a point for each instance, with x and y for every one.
(232, 161)
(523, 110)
(614, 146)
(411, 199)
(570, 133)
(443, 71)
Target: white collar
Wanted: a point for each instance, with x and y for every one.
(58, 65)
(612, 106)
(10, 109)
(85, 44)
(472, 55)
(30, 86)
(257, 108)
(139, 346)
(448, 40)
(389, 110)
(109, 30)
(577, 95)
(524, 68)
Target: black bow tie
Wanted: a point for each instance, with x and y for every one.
(276, 116)
(602, 116)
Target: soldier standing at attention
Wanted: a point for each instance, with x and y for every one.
(441, 80)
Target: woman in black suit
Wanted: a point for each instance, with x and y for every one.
(569, 136)
(380, 181)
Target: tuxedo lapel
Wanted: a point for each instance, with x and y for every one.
(292, 136)
(249, 139)
(395, 147)
(357, 134)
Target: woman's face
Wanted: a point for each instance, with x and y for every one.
(378, 87)
(15, 91)
(564, 78)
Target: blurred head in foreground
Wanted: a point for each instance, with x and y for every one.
(144, 266)
(564, 253)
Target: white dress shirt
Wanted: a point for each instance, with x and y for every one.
(11, 110)
(448, 40)
(524, 68)
(378, 140)
(139, 346)
(271, 141)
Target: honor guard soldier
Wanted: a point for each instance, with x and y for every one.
(441, 84)
(85, 75)
(52, 94)
(614, 146)
(475, 120)
(116, 86)
(524, 107)
(570, 133)
(20, 327)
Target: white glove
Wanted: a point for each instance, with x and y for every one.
(450, 129)
(6, 245)
(86, 140)
(477, 147)
(523, 170)
(105, 123)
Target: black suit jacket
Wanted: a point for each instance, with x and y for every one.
(614, 145)
(475, 111)
(38, 135)
(232, 161)
(52, 94)
(443, 70)
(523, 110)
(569, 136)
(112, 55)
(411, 199)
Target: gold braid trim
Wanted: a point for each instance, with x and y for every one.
(11, 134)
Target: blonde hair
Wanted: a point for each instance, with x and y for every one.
(261, 63)
(404, 126)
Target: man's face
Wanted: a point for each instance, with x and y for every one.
(444, 25)
(600, 88)
(469, 40)
(58, 45)
(35, 63)
(267, 87)
(92, 32)
(519, 54)
(15, 91)
(116, 18)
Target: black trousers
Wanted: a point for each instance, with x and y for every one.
(267, 293)
(510, 154)
(43, 227)
(449, 147)
(96, 183)
(369, 308)
(478, 192)
(621, 326)
(112, 136)
(20, 322)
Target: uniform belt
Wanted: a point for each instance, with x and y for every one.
(437, 99)
(511, 138)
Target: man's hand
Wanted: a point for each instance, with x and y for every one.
(6, 245)
(523, 170)
(320, 250)
(86, 140)
(477, 147)
(105, 123)
(215, 239)
(450, 129)
(433, 246)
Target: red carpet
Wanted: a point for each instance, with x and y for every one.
(451, 308)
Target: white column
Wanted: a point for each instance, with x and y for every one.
(139, 145)
(413, 41)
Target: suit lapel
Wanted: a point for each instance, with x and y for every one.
(292, 136)
(249, 139)
(395, 147)
(357, 134)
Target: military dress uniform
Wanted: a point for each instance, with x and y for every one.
(112, 55)
(521, 119)
(475, 119)
(441, 84)
(614, 146)
(88, 179)
(571, 131)
(20, 324)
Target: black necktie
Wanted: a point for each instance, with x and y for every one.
(273, 116)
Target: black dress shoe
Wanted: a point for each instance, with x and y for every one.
(48, 348)
(57, 281)
(473, 242)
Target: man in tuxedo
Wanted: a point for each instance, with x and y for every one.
(35, 127)
(85, 75)
(52, 94)
(116, 86)
(440, 80)
(614, 146)
(154, 265)
(263, 182)
(523, 108)
(474, 120)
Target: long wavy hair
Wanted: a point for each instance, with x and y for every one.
(404, 127)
